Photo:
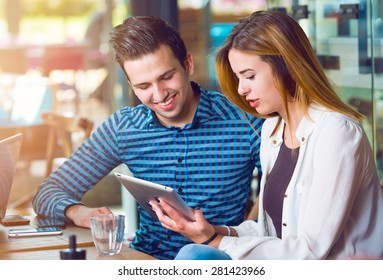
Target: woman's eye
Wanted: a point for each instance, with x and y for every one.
(250, 77)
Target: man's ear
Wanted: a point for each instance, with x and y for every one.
(189, 63)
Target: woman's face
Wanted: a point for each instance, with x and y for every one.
(256, 82)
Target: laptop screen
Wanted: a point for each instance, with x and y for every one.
(9, 153)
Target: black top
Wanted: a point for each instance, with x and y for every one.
(277, 183)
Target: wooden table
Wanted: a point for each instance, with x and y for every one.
(91, 254)
(23, 244)
(48, 247)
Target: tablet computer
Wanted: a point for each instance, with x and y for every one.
(144, 191)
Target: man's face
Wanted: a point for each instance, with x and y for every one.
(162, 84)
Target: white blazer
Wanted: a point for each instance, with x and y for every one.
(333, 207)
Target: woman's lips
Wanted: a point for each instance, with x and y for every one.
(254, 103)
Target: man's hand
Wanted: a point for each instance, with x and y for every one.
(80, 214)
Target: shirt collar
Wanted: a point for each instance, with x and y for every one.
(204, 108)
(203, 113)
(305, 127)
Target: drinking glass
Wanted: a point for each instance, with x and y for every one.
(108, 233)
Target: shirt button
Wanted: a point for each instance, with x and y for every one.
(284, 224)
(180, 159)
(274, 142)
(303, 139)
(180, 190)
(285, 196)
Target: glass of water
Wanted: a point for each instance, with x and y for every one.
(108, 233)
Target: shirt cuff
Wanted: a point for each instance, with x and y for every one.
(62, 207)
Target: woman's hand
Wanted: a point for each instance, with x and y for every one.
(198, 231)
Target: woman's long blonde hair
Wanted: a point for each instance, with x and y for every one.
(280, 41)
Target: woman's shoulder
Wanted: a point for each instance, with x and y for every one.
(337, 120)
(334, 125)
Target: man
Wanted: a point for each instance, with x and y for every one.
(182, 136)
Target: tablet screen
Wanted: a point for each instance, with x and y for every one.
(144, 191)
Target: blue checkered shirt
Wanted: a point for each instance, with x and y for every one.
(209, 162)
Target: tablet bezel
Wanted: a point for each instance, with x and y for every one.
(144, 191)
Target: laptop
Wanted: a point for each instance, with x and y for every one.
(9, 153)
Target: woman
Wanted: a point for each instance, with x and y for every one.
(320, 195)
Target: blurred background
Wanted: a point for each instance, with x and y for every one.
(55, 57)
